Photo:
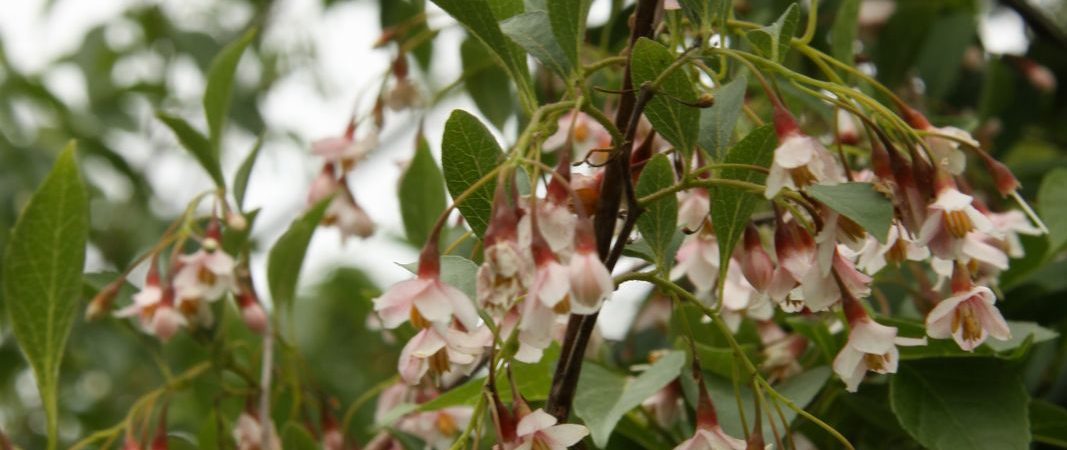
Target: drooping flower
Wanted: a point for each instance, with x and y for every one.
(968, 316)
(800, 160)
(944, 144)
(507, 266)
(348, 216)
(539, 430)
(693, 208)
(709, 435)
(437, 347)
(698, 259)
(897, 248)
(1008, 225)
(207, 274)
(590, 281)
(345, 150)
(248, 433)
(955, 229)
(588, 134)
(871, 347)
(425, 298)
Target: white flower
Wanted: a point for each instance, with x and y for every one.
(590, 282)
(946, 152)
(539, 431)
(968, 317)
(871, 347)
(799, 161)
(248, 433)
(205, 275)
(1007, 226)
(713, 438)
(698, 260)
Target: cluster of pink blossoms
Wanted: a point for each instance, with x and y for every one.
(341, 154)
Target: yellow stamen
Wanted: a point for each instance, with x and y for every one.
(802, 176)
(417, 320)
(564, 306)
(965, 317)
(446, 424)
(439, 363)
(876, 363)
(957, 223)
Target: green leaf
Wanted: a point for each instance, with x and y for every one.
(861, 203)
(477, 16)
(533, 32)
(696, 10)
(296, 437)
(240, 180)
(901, 39)
(818, 333)
(469, 152)
(717, 122)
(731, 207)
(843, 33)
(942, 52)
(1023, 336)
(287, 255)
(1048, 423)
(568, 25)
(487, 83)
(42, 275)
(197, 144)
(422, 194)
(660, 219)
(1051, 198)
(457, 271)
(772, 41)
(801, 389)
(605, 396)
(219, 87)
(533, 380)
(679, 124)
(961, 404)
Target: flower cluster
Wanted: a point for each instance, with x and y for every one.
(341, 154)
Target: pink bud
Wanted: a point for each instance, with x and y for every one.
(756, 264)
(323, 185)
(1002, 176)
(255, 318)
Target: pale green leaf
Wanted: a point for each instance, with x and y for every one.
(487, 83)
(843, 33)
(861, 203)
(604, 396)
(1051, 201)
(422, 194)
(660, 219)
(296, 437)
(679, 124)
(773, 40)
(568, 25)
(42, 275)
(533, 32)
(731, 207)
(240, 180)
(287, 255)
(942, 52)
(717, 122)
(469, 152)
(197, 144)
(971, 404)
(219, 87)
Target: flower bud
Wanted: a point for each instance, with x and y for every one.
(756, 265)
(101, 302)
(252, 313)
(236, 221)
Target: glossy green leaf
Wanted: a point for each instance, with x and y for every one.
(287, 255)
(861, 203)
(197, 144)
(659, 221)
(422, 194)
(773, 40)
(843, 33)
(487, 83)
(1048, 423)
(219, 87)
(568, 25)
(731, 207)
(1051, 198)
(240, 180)
(801, 389)
(679, 124)
(457, 271)
(975, 403)
(604, 396)
(42, 275)
(468, 153)
(533, 32)
(717, 122)
(477, 16)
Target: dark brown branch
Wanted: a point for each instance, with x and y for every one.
(616, 180)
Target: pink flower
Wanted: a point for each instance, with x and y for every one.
(345, 150)
(756, 265)
(590, 281)
(248, 433)
(324, 184)
(1008, 225)
(588, 134)
(946, 152)
(349, 218)
(670, 5)
(437, 347)
(870, 347)
(166, 321)
(713, 438)
(955, 229)
(205, 275)
(557, 224)
(539, 430)
(666, 404)
(507, 266)
(693, 206)
(425, 298)
(897, 248)
(968, 317)
(252, 313)
(800, 160)
(698, 260)
(438, 429)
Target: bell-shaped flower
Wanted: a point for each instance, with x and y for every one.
(437, 347)
(425, 298)
(590, 280)
(897, 248)
(345, 150)
(588, 134)
(248, 433)
(538, 430)
(348, 216)
(943, 143)
(206, 275)
(955, 229)
(507, 266)
(968, 316)
(871, 347)
(698, 259)
(1008, 225)
(800, 160)
(438, 429)
(693, 208)
(709, 435)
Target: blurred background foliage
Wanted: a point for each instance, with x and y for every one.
(931, 52)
